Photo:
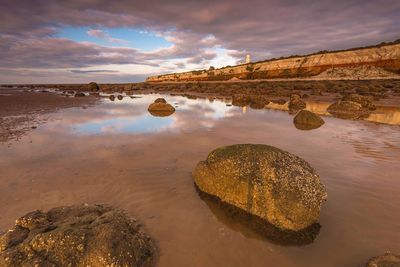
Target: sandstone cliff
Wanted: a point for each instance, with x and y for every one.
(385, 57)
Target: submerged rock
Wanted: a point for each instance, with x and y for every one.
(307, 120)
(387, 260)
(93, 87)
(264, 181)
(348, 110)
(79, 94)
(296, 104)
(86, 235)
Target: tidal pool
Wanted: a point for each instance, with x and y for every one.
(117, 153)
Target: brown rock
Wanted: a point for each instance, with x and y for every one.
(348, 110)
(307, 120)
(112, 97)
(160, 100)
(120, 97)
(364, 101)
(264, 181)
(79, 94)
(93, 87)
(387, 260)
(254, 101)
(159, 109)
(95, 235)
(296, 104)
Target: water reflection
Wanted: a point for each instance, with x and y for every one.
(130, 115)
(254, 227)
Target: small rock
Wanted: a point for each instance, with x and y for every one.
(307, 120)
(112, 97)
(387, 260)
(93, 87)
(348, 110)
(79, 94)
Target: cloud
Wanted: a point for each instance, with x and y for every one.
(105, 36)
(94, 71)
(261, 28)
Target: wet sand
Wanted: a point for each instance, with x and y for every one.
(117, 153)
(19, 109)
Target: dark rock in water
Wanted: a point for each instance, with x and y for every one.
(79, 94)
(252, 226)
(254, 101)
(387, 260)
(159, 109)
(263, 181)
(307, 120)
(120, 97)
(160, 100)
(93, 87)
(365, 101)
(112, 97)
(94, 235)
(296, 104)
(279, 101)
(348, 110)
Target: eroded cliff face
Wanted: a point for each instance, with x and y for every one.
(386, 57)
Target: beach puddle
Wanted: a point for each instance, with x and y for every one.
(116, 152)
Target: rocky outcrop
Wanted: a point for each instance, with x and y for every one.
(384, 57)
(87, 235)
(307, 120)
(272, 184)
(387, 260)
(348, 110)
(160, 108)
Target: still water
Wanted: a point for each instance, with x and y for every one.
(118, 153)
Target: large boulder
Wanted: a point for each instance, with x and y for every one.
(264, 181)
(93, 87)
(296, 104)
(307, 120)
(348, 110)
(387, 260)
(86, 235)
(365, 101)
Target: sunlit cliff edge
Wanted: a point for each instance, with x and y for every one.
(380, 61)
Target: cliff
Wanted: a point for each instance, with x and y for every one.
(385, 57)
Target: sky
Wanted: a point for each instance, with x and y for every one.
(126, 41)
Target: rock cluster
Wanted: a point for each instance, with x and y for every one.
(87, 235)
(264, 181)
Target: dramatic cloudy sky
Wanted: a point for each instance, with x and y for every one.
(120, 41)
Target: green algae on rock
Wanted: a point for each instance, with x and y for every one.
(86, 235)
(264, 181)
